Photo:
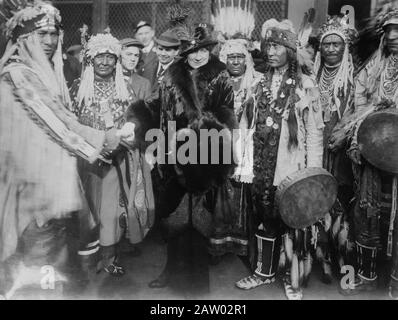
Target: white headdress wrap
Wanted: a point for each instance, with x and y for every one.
(235, 46)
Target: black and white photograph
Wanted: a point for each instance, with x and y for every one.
(212, 152)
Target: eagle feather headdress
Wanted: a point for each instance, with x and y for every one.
(232, 19)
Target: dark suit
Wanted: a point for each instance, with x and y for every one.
(155, 81)
(147, 66)
(140, 86)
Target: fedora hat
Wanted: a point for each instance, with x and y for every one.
(168, 39)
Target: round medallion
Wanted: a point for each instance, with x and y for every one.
(139, 199)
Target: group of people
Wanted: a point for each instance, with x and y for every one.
(76, 180)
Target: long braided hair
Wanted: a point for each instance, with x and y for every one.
(299, 65)
(293, 74)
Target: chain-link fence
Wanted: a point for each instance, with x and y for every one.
(122, 16)
(74, 14)
(265, 10)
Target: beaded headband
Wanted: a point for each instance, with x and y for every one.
(280, 32)
(24, 17)
(282, 37)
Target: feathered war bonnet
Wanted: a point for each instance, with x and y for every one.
(338, 25)
(235, 24)
(19, 20)
(233, 20)
(96, 45)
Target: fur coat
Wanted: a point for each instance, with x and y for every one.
(197, 99)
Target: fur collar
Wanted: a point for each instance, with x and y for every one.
(189, 83)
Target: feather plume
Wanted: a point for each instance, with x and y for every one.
(301, 271)
(306, 29)
(307, 266)
(295, 272)
(288, 242)
(177, 15)
(230, 18)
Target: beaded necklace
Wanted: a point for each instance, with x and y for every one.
(326, 89)
(270, 110)
(389, 79)
(104, 109)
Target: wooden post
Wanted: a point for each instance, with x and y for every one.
(153, 14)
(285, 9)
(100, 21)
(206, 11)
(321, 8)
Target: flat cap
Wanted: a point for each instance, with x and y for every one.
(130, 42)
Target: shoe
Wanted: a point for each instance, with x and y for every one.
(253, 281)
(114, 270)
(393, 290)
(326, 278)
(292, 293)
(161, 282)
(360, 285)
(305, 282)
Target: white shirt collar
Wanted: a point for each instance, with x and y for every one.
(149, 47)
(165, 66)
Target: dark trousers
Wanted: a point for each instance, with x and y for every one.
(187, 259)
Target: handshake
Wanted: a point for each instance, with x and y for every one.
(126, 133)
(114, 138)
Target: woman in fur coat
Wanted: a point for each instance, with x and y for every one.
(194, 94)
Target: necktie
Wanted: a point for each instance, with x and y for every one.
(160, 73)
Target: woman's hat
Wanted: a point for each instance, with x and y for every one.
(201, 39)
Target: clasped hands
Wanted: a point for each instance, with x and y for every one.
(114, 137)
